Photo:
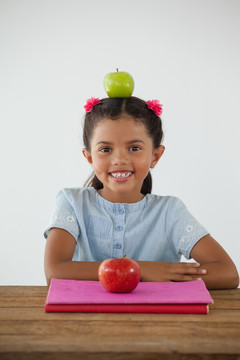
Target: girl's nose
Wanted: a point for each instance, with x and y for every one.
(120, 158)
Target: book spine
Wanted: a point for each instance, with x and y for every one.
(130, 308)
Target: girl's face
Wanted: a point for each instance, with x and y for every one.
(121, 155)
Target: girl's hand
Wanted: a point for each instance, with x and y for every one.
(163, 271)
(217, 269)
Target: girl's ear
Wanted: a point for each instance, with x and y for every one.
(157, 154)
(87, 155)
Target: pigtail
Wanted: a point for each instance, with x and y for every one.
(94, 182)
(147, 184)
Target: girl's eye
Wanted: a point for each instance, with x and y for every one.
(134, 148)
(105, 149)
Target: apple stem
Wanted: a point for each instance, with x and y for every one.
(117, 69)
(124, 256)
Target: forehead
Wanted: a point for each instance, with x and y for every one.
(124, 125)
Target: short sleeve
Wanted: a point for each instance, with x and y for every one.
(183, 230)
(63, 216)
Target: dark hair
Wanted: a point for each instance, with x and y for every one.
(114, 108)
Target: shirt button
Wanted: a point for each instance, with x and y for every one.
(121, 211)
(117, 246)
(118, 228)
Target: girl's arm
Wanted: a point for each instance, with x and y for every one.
(213, 265)
(58, 262)
(221, 271)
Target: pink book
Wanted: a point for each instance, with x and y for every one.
(155, 297)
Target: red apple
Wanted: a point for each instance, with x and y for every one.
(119, 275)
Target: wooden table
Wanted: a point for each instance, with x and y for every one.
(27, 332)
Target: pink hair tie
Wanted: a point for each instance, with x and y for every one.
(155, 106)
(90, 103)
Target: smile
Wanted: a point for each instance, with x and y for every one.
(121, 175)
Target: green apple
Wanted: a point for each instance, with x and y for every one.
(118, 84)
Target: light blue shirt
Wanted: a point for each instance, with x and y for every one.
(157, 228)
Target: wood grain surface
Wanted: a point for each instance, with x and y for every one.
(27, 332)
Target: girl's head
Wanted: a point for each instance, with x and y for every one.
(114, 109)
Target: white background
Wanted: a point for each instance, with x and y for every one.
(55, 54)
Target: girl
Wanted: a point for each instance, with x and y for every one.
(116, 213)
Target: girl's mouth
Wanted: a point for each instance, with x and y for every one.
(121, 175)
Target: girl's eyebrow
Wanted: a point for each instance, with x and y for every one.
(128, 142)
(103, 142)
(135, 141)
